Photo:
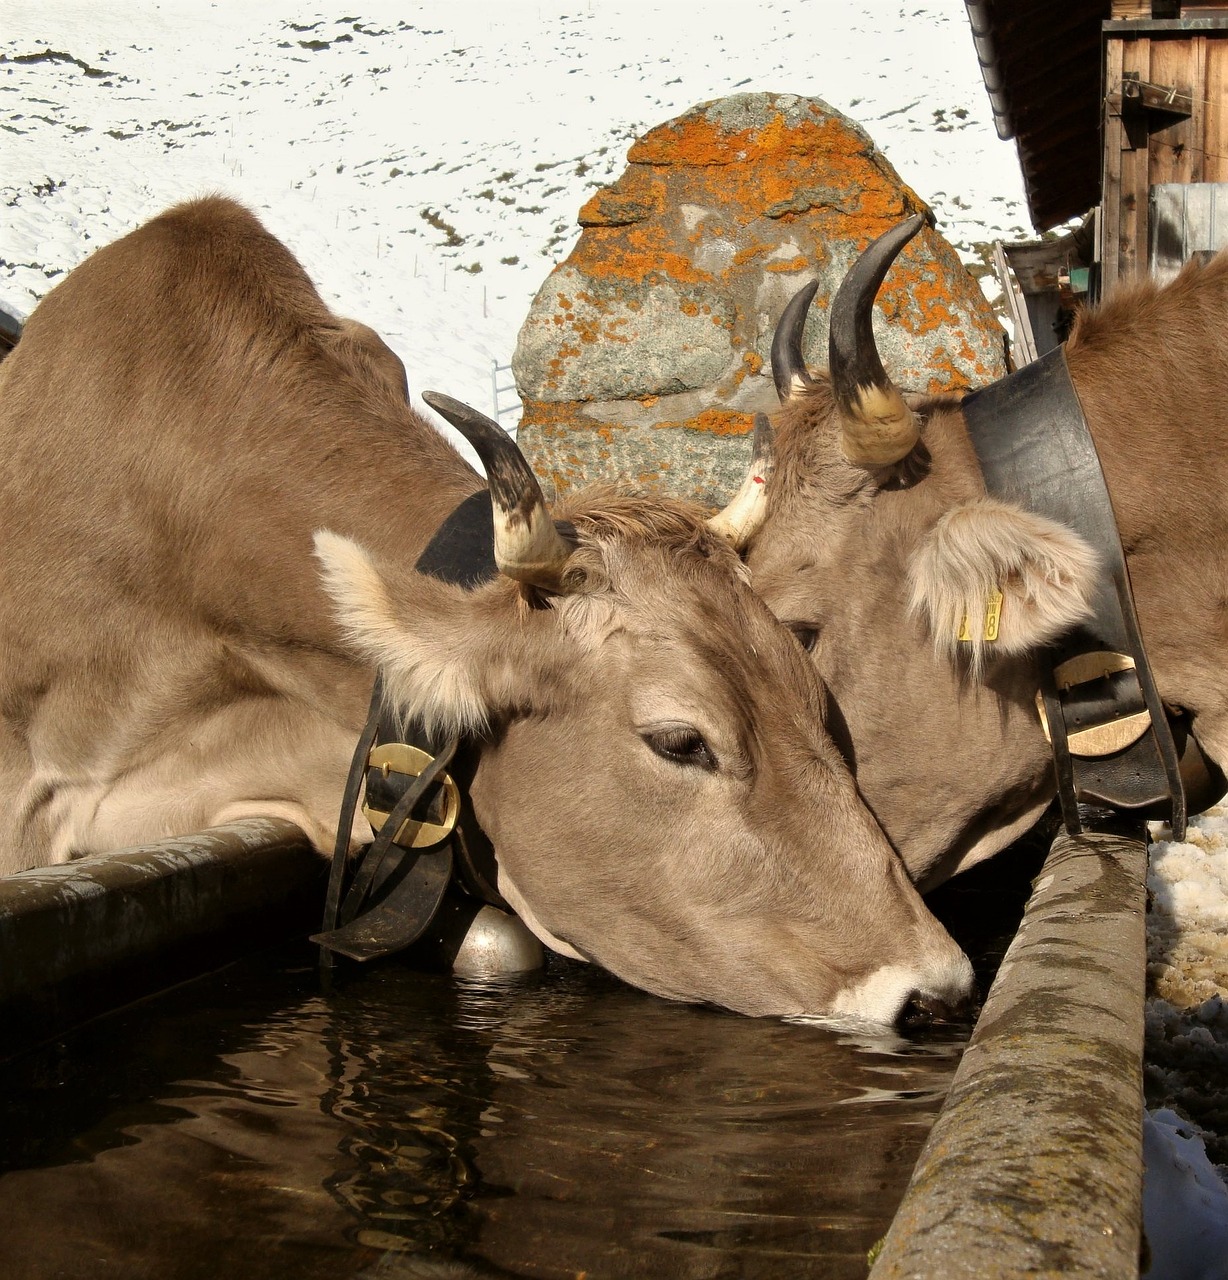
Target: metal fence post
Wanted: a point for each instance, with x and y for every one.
(500, 391)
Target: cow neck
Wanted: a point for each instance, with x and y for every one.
(395, 890)
(1112, 741)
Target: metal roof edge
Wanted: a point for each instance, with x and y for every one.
(991, 74)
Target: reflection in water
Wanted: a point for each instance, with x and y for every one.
(395, 1124)
(404, 1124)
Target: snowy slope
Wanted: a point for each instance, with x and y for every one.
(426, 160)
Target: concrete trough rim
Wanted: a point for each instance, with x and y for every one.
(85, 937)
(1034, 1165)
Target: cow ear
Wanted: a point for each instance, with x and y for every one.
(1002, 579)
(450, 657)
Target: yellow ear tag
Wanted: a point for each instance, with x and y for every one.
(993, 619)
(993, 615)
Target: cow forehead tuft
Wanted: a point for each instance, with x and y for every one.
(605, 513)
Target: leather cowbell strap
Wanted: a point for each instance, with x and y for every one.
(396, 889)
(1111, 739)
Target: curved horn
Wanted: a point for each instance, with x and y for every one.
(789, 370)
(528, 547)
(879, 428)
(741, 519)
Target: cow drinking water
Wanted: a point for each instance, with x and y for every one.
(213, 495)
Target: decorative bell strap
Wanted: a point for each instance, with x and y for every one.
(402, 875)
(435, 818)
(416, 795)
(1112, 744)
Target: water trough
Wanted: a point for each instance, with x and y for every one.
(83, 937)
(1033, 1166)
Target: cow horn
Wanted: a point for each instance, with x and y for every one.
(528, 547)
(740, 520)
(789, 370)
(879, 428)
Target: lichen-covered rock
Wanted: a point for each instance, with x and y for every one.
(646, 353)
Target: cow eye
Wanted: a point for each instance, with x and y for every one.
(682, 745)
(807, 634)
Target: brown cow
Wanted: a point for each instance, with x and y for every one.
(181, 419)
(878, 537)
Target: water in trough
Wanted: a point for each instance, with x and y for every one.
(258, 1123)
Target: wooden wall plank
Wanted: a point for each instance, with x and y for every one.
(1110, 184)
(1215, 111)
(1176, 64)
(1198, 110)
(1135, 177)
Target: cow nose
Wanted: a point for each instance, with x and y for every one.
(921, 1010)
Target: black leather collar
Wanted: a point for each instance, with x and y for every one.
(1035, 450)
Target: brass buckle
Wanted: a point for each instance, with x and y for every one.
(400, 757)
(1100, 739)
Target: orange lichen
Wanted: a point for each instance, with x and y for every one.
(792, 264)
(748, 254)
(743, 173)
(751, 365)
(640, 254)
(697, 141)
(716, 422)
(617, 207)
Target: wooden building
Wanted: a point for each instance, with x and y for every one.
(1119, 110)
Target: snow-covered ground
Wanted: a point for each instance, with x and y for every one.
(1193, 1244)
(425, 160)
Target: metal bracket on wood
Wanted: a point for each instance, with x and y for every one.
(1145, 107)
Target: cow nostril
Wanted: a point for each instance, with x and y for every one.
(923, 1011)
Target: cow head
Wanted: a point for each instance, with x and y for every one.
(654, 773)
(880, 549)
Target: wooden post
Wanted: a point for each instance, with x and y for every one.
(1110, 195)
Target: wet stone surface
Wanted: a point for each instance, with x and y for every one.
(396, 1123)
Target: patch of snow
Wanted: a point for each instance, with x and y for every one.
(1185, 1205)
(1187, 1043)
(1187, 924)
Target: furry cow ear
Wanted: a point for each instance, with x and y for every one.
(450, 657)
(1001, 579)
